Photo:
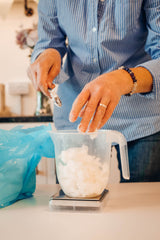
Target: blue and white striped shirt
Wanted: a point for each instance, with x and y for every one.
(102, 36)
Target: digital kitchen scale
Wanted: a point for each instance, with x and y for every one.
(62, 202)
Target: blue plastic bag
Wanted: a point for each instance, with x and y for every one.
(20, 152)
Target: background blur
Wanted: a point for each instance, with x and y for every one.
(16, 90)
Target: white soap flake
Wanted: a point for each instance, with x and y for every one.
(81, 174)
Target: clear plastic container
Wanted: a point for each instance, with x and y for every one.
(83, 160)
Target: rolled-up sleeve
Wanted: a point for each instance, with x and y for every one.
(152, 47)
(50, 35)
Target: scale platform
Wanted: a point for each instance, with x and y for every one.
(62, 202)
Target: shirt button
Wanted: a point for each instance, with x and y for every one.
(94, 60)
(94, 29)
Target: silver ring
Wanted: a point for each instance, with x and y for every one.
(102, 105)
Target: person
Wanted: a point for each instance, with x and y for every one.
(105, 58)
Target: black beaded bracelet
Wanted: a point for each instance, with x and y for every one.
(133, 79)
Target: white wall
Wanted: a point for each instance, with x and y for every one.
(13, 60)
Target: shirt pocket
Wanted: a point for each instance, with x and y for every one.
(126, 14)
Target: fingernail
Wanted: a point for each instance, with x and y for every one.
(78, 128)
(99, 126)
(81, 128)
(72, 118)
(92, 129)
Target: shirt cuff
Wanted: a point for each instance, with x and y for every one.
(62, 77)
(37, 51)
(153, 66)
(36, 54)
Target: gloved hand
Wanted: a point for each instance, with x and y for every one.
(45, 68)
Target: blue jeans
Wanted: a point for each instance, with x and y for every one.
(144, 159)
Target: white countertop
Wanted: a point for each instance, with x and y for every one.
(132, 211)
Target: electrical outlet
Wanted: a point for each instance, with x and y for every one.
(18, 88)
